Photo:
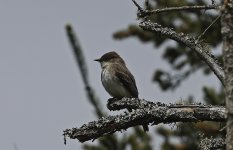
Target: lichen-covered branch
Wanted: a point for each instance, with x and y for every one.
(78, 53)
(146, 113)
(212, 143)
(190, 42)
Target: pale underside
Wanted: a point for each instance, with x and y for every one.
(113, 86)
(117, 80)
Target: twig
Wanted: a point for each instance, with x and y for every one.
(83, 69)
(143, 13)
(147, 4)
(138, 6)
(148, 112)
(182, 8)
(203, 33)
(190, 42)
(211, 143)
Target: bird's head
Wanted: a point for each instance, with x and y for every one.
(109, 58)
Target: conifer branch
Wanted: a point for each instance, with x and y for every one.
(185, 39)
(190, 42)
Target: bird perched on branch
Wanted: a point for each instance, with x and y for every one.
(116, 78)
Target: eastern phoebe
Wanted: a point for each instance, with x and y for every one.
(116, 78)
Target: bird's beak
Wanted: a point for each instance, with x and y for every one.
(97, 60)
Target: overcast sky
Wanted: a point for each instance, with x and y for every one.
(41, 89)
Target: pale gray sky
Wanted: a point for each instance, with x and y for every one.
(41, 90)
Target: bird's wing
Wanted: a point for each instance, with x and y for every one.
(127, 79)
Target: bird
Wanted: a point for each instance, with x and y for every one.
(117, 79)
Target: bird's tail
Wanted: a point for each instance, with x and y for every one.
(145, 128)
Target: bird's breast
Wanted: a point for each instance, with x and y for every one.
(113, 85)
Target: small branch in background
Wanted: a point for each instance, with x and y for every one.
(211, 143)
(203, 33)
(15, 146)
(146, 112)
(77, 51)
(188, 41)
(144, 13)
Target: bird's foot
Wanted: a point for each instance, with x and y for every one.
(111, 100)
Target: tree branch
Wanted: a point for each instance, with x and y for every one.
(190, 42)
(77, 51)
(146, 112)
(144, 13)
